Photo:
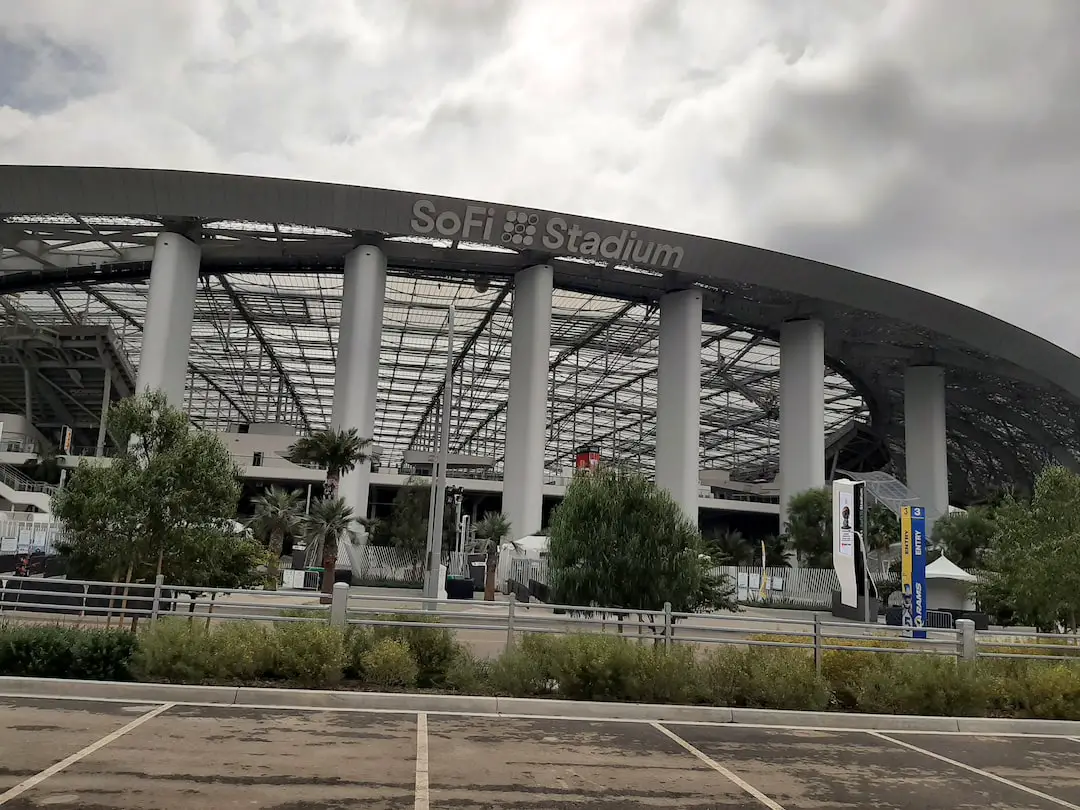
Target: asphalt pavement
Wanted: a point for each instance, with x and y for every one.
(101, 755)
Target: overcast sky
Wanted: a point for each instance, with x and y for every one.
(934, 142)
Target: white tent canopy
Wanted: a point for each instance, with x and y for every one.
(948, 586)
(943, 568)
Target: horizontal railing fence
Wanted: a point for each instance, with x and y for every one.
(492, 626)
(38, 598)
(773, 587)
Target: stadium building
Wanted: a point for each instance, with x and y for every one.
(268, 308)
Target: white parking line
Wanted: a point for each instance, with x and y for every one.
(720, 769)
(979, 771)
(283, 707)
(38, 778)
(423, 794)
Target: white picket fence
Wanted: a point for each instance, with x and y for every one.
(21, 537)
(386, 564)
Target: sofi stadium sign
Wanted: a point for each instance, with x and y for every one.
(515, 228)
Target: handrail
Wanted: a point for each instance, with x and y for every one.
(815, 635)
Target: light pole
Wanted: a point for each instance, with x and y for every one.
(438, 481)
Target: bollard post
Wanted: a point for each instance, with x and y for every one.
(818, 653)
(339, 604)
(510, 621)
(669, 626)
(155, 608)
(965, 629)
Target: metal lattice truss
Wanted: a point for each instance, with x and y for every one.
(265, 333)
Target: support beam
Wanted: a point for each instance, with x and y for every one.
(526, 413)
(200, 373)
(103, 425)
(802, 410)
(268, 350)
(174, 276)
(924, 439)
(678, 405)
(467, 347)
(356, 380)
(597, 329)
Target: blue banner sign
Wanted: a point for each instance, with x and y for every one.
(913, 569)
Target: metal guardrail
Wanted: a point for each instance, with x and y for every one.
(21, 483)
(25, 598)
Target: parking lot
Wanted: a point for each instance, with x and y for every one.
(96, 755)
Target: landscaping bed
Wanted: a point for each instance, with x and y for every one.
(583, 667)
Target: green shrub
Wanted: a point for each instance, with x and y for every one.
(527, 669)
(469, 675)
(309, 653)
(665, 675)
(845, 672)
(104, 655)
(594, 667)
(1042, 690)
(389, 663)
(239, 651)
(358, 640)
(66, 652)
(174, 650)
(922, 684)
(433, 648)
(762, 677)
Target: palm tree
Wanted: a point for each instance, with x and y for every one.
(491, 533)
(328, 522)
(730, 547)
(776, 553)
(339, 451)
(277, 513)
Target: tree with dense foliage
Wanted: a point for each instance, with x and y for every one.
(46, 465)
(277, 515)
(965, 537)
(809, 527)
(491, 533)
(337, 451)
(618, 540)
(882, 530)
(1033, 563)
(328, 523)
(143, 512)
(407, 526)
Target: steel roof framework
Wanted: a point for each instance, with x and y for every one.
(264, 347)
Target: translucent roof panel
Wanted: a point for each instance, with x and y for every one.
(264, 347)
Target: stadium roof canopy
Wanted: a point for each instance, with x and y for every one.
(75, 251)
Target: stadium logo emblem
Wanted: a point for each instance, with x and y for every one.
(520, 228)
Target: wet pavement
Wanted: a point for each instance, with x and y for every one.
(115, 756)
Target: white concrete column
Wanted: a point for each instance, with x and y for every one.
(678, 406)
(356, 377)
(802, 410)
(170, 307)
(924, 439)
(526, 412)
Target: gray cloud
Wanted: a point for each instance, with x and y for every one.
(931, 143)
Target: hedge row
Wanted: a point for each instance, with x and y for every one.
(587, 667)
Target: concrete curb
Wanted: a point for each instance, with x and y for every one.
(526, 707)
